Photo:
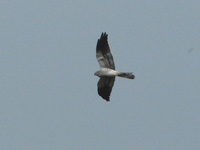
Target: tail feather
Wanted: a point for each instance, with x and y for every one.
(128, 75)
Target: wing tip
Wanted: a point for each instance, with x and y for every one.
(104, 34)
(102, 42)
(107, 99)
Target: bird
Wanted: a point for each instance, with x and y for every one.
(107, 72)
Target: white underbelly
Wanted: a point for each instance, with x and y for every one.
(109, 72)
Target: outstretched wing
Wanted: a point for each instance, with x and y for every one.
(105, 86)
(103, 54)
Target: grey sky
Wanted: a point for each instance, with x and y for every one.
(48, 92)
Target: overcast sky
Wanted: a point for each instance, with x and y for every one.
(48, 91)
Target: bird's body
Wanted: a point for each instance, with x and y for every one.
(107, 73)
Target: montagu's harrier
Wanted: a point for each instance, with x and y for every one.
(107, 72)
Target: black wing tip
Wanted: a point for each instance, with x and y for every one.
(105, 96)
(107, 99)
(104, 34)
(102, 42)
(105, 93)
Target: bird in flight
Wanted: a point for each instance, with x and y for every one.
(107, 72)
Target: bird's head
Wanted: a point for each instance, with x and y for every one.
(96, 73)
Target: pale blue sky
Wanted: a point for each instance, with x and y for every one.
(48, 91)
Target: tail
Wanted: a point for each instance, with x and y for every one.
(128, 75)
